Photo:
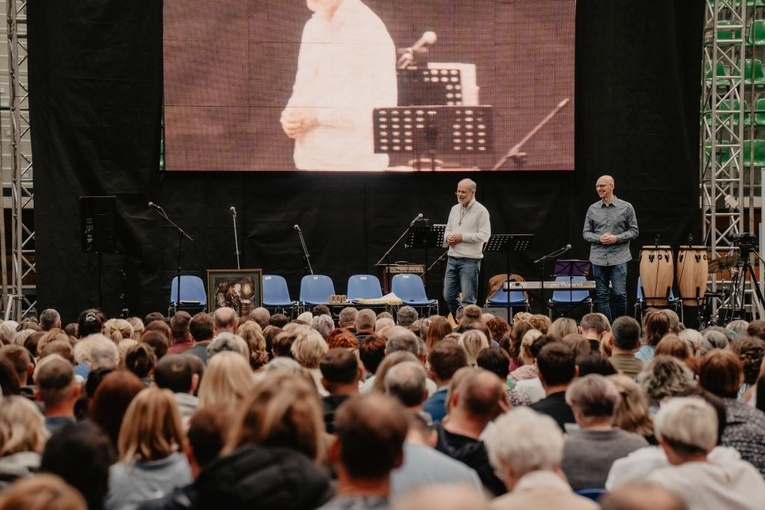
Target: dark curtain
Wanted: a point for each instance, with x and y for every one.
(95, 74)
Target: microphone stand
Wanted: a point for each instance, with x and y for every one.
(306, 256)
(542, 261)
(125, 312)
(181, 235)
(236, 240)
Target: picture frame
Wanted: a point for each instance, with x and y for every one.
(240, 289)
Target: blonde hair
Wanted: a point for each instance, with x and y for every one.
(22, 426)
(563, 326)
(284, 411)
(526, 341)
(52, 336)
(251, 333)
(42, 492)
(309, 347)
(152, 428)
(123, 347)
(472, 341)
(228, 379)
(118, 330)
(632, 413)
(138, 327)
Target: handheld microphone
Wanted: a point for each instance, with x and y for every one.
(297, 228)
(427, 39)
(416, 219)
(155, 206)
(233, 210)
(568, 247)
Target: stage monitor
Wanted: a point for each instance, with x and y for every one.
(269, 85)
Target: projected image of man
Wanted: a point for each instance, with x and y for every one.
(346, 67)
(467, 230)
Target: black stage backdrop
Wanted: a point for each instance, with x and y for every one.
(95, 73)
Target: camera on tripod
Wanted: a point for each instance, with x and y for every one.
(745, 241)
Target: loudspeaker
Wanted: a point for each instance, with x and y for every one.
(97, 217)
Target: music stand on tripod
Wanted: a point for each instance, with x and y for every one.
(508, 243)
(571, 268)
(429, 130)
(425, 237)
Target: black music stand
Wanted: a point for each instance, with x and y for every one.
(430, 130)
(421, 85)
(571, 268)
(425, 237)
(508, 243)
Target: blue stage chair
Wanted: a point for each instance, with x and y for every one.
(193, 295)
(569, 300)
(315, 289)
(410, 289)
(276, 295)
(363, 286)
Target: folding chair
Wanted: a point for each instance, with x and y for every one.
(193, 294)
(410, 289)
(315, 289)
(276, 295)
(363, 286)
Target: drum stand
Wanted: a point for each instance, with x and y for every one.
(735, 308)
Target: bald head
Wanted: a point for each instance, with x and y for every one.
(480, 395)
(605, 187)
(225, 320)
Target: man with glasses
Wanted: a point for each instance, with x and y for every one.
(467, 230)
(608, 227)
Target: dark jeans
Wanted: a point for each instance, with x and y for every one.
(617, 276)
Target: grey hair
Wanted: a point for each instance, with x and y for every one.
(526, 441)
(406, 316)
(401, 339)
(232, 343)
(714, 338)
(687, 421)
(323, 324)
(665, 376)
(406, 382)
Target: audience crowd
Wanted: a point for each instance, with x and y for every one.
(377, 410)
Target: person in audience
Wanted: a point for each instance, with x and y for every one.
(137, 325)
(663, 377)
(271, 459)
(557, 369)
(346, 319)
(675, 326)
(755, 328)
(50, 319)
(150, 460)
(673, 345)
(90, 449)
(496, 360)
(455, 496)
(261, 316)
(403, 339)
(445, 359)
(589, 452)
(641, 496)
(323, 324)
(406, 316)
(117, 330)
(527, 449)
(438, 329)
(371, 354)
(110, 402)
(57, 390)
(389, 361)
(578, 343)
(563, 326)
(93, 352)
(157, 339)
(632, 414)
(498, 327)
(42, 492)
(308, 349)
(594, 363)
(530, 388)
(750, 351)
(594, 327)
(625, 341)
(371, 426)
(383, 325)
(225, 319)
(693, 338)
(251, 333)
(202, 330)
(364, 324)
(722, 373)
(22, 364)
(473, 341)
(174, 373)
(279, 320)
(61, 347)
(141, 360)
(340, 376)
(228, 343)
(655, 326)
(181, 340)
(406, 382)
(423, 465)
(153, 317)
(227, 380)
(22, 438)
(687, 431)
(476, 401)
(714, 337)
(90, 321)
(528, 368)
(340, 337)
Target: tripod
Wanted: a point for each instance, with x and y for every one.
(739, 275)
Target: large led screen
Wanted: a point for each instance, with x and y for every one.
(372, 85)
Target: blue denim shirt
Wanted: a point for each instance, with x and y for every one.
(617, 218)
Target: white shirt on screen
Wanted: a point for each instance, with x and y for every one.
(346, 67)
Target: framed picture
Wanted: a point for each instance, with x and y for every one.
(240, 289)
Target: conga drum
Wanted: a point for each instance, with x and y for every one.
(656, 274)
(692, 274)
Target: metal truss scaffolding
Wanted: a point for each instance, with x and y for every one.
(19, 293)
(722, 122)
